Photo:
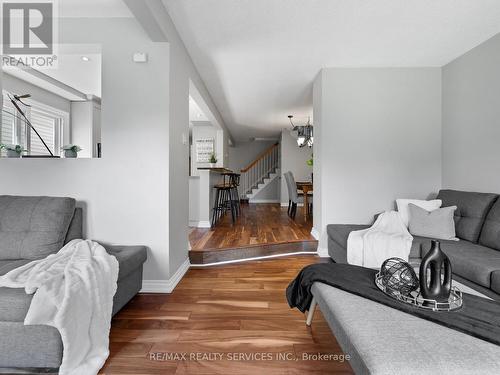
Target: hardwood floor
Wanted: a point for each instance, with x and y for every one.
(236, 311)
(262, 229)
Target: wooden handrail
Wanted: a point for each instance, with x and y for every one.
(261, 156)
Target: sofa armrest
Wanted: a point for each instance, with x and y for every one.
(129, 257)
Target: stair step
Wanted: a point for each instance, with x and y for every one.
(261, 185)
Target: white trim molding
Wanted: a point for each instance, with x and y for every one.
(315, 233)
(322, 250)
(263, 200)
(286, 204)
(165, 286)
(199, 224)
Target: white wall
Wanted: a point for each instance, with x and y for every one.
(125, 194)
(471, 119)
(317, 230)
(378, 136)
(183, 74)
(293, 159)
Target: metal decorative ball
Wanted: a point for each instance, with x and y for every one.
(398, 276)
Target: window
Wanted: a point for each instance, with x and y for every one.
(48, 121)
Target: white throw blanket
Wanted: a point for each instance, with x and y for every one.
(388, 237)
(74, 292)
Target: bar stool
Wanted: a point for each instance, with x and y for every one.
(234, 182)
(223, 201)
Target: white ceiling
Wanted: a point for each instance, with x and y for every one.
(93, 8)
(259, 57)
(84, 76)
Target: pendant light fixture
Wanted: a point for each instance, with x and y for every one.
(304, 133)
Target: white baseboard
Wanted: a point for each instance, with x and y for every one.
(286, 204)
(199, 224)
(264, 201)
(322, 242)
(323, 251)
(165, 286)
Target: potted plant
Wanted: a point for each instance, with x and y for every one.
(213, 160)
(13, 151)
(310, 162)
(71, 151)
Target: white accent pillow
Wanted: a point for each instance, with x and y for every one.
(404, 211)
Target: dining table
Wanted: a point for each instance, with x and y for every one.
(306, 187)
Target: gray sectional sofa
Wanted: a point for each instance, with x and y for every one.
(475, 259)
(32, 228)
(382, 340)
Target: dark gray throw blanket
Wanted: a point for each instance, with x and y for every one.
(478, 317)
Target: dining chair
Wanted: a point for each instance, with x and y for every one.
(293, 195)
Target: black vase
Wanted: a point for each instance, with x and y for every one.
(435, 263)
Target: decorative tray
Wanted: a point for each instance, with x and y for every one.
(415, 299)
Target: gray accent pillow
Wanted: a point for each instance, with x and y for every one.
(471, 212)
(33, 227)
(438, 224)
(490, 235)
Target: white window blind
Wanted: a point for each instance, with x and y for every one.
(46, 120)
(7, 130)
(47, 126)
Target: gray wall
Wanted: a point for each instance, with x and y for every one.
(243, 153)
(205, 129)
(471, 119)
(18, 86)
(293, 159)
(379, 139)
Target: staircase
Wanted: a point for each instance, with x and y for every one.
(260, 173)
(265, 182)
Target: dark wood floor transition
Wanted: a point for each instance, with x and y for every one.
(238, 311)
(261, 230)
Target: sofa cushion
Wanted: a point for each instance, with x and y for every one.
(495, 281)
(438, 223)
(471, 212)
(33, 227)
(340, 232)
(473, 262)
(14, 303)
(490, 235)
(9, 265)
(383, 340)
(75, 229)
(129, 258)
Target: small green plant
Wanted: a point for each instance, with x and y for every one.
(310, 162)
(74, 148)
(16, 148)
(213, 158)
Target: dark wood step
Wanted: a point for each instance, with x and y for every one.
(208, 256)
